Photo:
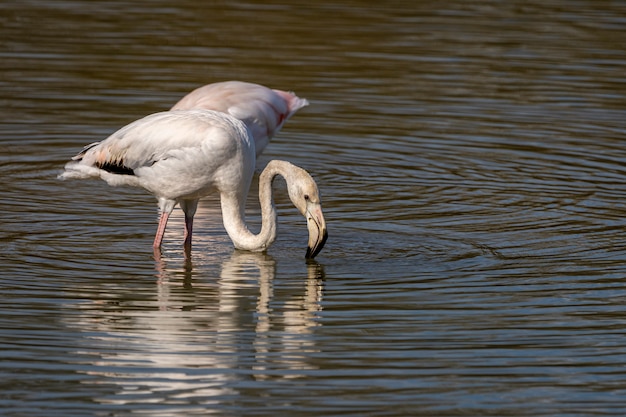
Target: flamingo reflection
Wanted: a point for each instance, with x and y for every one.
(203, 329)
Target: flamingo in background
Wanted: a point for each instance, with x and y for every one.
(263, 110)
(181, 156)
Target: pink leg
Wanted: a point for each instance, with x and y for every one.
(158, 238)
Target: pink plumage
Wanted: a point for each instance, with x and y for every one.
(263, 110)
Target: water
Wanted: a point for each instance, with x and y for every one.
(472, 169)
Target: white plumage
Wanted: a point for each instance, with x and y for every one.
(181, 156)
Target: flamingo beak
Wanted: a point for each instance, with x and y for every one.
(317, 229)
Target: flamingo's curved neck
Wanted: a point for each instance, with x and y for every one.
(233, 212)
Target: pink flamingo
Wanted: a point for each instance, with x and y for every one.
(181, 156)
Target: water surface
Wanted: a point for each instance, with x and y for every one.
(472, 166)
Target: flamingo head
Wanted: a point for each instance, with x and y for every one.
(305, 195)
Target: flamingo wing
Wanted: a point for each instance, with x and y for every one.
(171, 154)
(263, 110)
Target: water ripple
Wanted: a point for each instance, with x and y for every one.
(471, 163)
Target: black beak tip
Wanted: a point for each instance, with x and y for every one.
(311, 252)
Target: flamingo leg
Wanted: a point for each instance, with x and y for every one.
(189, 208)
(188, 230)
(158, 238)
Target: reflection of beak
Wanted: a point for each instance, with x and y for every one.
(317, 229)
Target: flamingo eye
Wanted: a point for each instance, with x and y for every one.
(306, 197)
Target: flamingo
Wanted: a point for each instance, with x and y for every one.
(263, 110)
(183, 155)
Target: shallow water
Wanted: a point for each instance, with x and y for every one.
(472, 166)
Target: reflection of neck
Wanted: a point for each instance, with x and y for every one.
(241, 268)
(241, 265)
(233, 211)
